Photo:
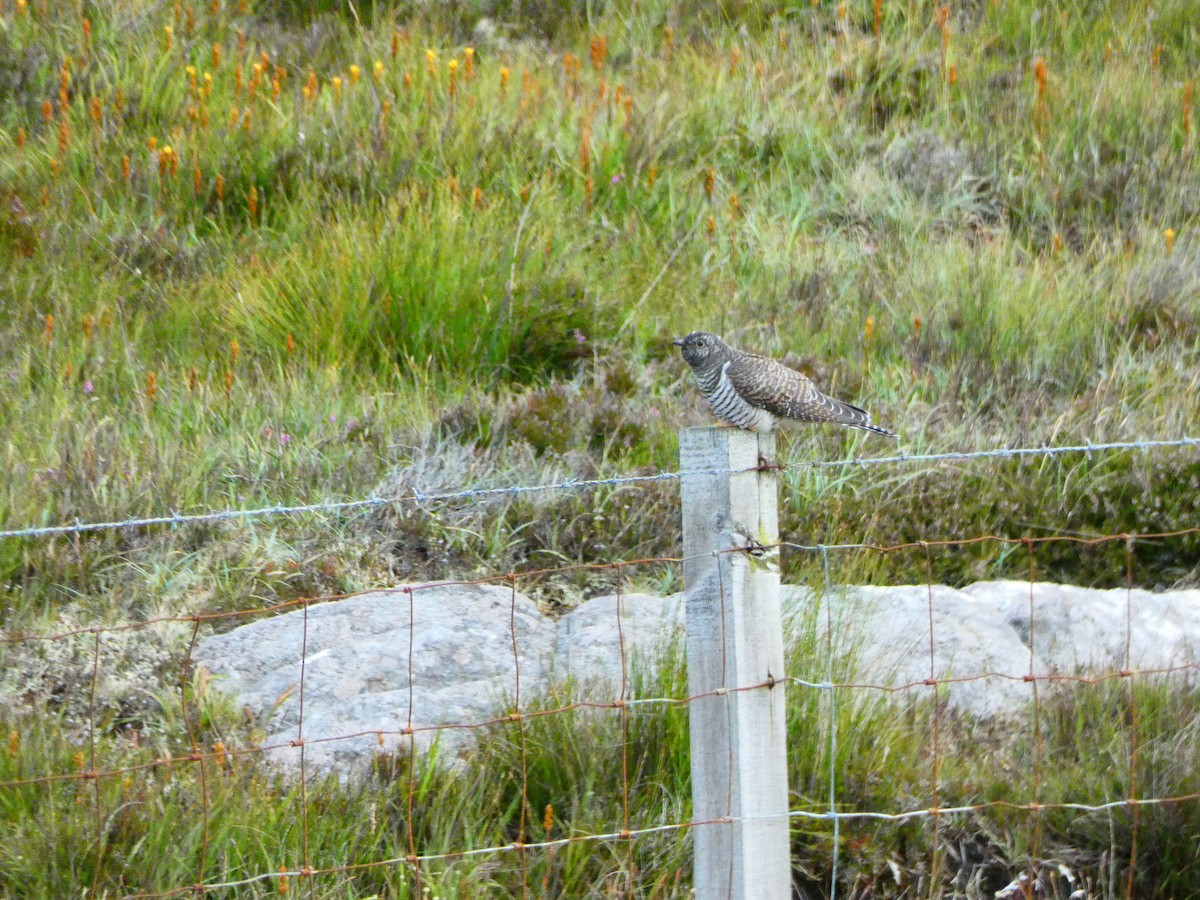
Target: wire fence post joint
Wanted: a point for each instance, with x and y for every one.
(734, 627)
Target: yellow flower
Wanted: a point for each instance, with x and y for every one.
(355, 72)
(1169, 238)
(378, 70)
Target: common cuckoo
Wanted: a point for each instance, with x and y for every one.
(757, 393)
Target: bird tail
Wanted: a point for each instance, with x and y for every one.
(877, 430)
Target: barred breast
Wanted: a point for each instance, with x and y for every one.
(729, 405)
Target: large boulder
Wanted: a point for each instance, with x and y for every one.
(592, 651)
(979, 643)
(901, 636)
(1074, 630)
(357, 669)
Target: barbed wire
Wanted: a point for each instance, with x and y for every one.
(93, 767)
(419, 498)
(629, 834)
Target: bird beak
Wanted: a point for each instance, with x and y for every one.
(678, 342)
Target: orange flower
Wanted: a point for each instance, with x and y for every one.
(1187, 107)
(599, 49)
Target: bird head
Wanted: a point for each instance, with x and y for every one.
(700, 348)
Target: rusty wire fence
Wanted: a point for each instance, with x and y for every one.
(936, 809)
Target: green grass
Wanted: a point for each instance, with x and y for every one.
(167, 825)
(435, 289)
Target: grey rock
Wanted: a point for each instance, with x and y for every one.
(357, 665)
(1075, 629)
(887, 631)
(357, 659)
(589, 647)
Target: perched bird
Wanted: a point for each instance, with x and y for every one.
(757, 393)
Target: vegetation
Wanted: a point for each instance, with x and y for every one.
(264, 252)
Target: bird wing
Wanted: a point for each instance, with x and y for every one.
(784, 392)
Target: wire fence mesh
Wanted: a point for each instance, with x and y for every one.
(115, 778)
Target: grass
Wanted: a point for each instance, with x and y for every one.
(980, 224)
(165, 825)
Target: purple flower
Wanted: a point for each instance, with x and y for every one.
(285, 438)
(869, 249)
(88, 387)
(618, 178)
(580, 337)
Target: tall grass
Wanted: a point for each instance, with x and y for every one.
(259, 253)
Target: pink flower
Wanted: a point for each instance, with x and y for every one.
(88, 387)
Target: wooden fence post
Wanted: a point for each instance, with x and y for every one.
(735, 640)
